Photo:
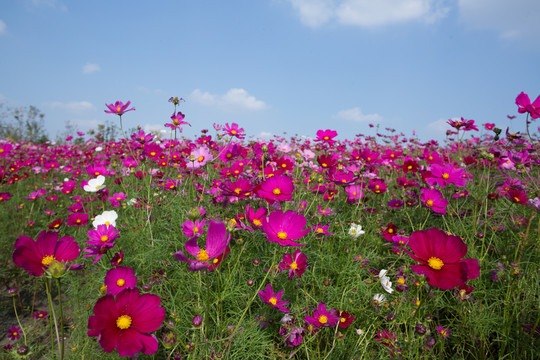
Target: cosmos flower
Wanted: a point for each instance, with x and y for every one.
(234, 130)
(271, 298)
(296, 264)
(432, 198)
(118, 108)
(105, 218)
(125, 322)
(120, 278)
(284, 227)
(36, 256)
(524, 105)
(177, 120)
(440, 257)
(323, 317)
(95, 185)
(276, 188)
(14, 333)
(356, 230)
(345, 320)
(217, 239)
(326, 136)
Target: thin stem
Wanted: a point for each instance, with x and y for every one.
(61, 318)
(18, 321)
(53, 318)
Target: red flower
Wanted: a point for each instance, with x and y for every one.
(346, 320)
(125, 323)
(440, 257)
(36, 256)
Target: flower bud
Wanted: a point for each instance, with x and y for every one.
(197, 320)
(420, 328)
(56, 269)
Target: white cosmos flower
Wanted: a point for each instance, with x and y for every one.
(378, 299)
(385, 281)
(356, 230)
(95, 185)
(106, 218)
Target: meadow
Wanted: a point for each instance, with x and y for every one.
(226, 247)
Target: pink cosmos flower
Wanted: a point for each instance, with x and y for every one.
(354, 193)
(524, 105)
(445, 333)
(271, 298)
(296, 264)
(489, 126)
(126, 322)
(177, 120)
(256, 218)
(323, 317)
(326, 136)
(14, 333)
(199, 157)
(234, 130)
(447, 174)
(276, 188)
(321, 230)
(193, 228)
(440, 257)
(284, 227)
(77, 219)
(120, 278)
(118, 108)
(217, 239)
(432, 198)
(36, 256)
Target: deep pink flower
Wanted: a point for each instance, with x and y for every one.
(256, 218)
(326, 136)
(432, 198)
(177, 120)
(271, 298)
(354, 193)
(192, 228)
(345, 320)
(284, 227)
(120, 278)
(77, 219)
(125, 323)
(40, 315)
(321, 230)
(323, 317)
(517, 196)
(118, 108)
(276, 188)
(234, 130)
(440, 257)
(445, 333)
(14, 333)
(447, 174)
(489, 126)
(102, 234)
(296, 264)
(36, 256)
(524, 105)
(217, 239)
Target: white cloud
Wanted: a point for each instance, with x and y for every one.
(356, 114)
(265, 135)
(74, 107)
(368, 13)
(234, 100)
(3, 27)
(435, 129)
(85, 124)
(53, 4)
(90, 68)
(512, 19)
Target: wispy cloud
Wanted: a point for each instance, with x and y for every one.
(73, 107)
(368, 13)
(265, 135)
(234, 100)
(3, 27)
(435, 129)
(511, 19)
(90, 68)
(356, 114)
(53, 4)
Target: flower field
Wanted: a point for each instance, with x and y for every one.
(226, 247)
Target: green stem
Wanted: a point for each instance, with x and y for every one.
(18, 321)
(53, 318)
(61, 319)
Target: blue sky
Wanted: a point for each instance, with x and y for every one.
(272, 66)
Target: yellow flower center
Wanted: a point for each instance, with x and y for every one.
(233, 132)
(323, 319)
(118, 109)
(47, 260)
(320, 230)
(445, 176)
(195, 229)
(104, 238)
(123, 322)
(435, 263)
(282, 235)
(516, 199)
(324, 165)
(343, 319)
(273, 301)
(237, 191)
(257, 222)
(429, 203)
(120, 282)
(276, 191)
(401, 281)
(390, 231)
(202, 255)
(294, 266)
(200, 159)
(107, 223)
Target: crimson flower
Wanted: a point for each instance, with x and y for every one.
(346, 320)
(296, 264)
(217, 239)
(284, 227)
(118, 108)
(125, 322)
(440, 257)
(271, 298)
(36, 256)
(120, 278)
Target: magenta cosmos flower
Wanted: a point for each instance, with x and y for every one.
(440, 257)
(125, 323)
(118, 108)
(432, 198)
(276, 188)
(217, 239)
(234, 130)
(447, 174)
(326, 136)
(36, 256)
(284, 227)
(177, 120)
(120, 278)
(524, 105)
(271, 298)
(296, 264)
(323, 317)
